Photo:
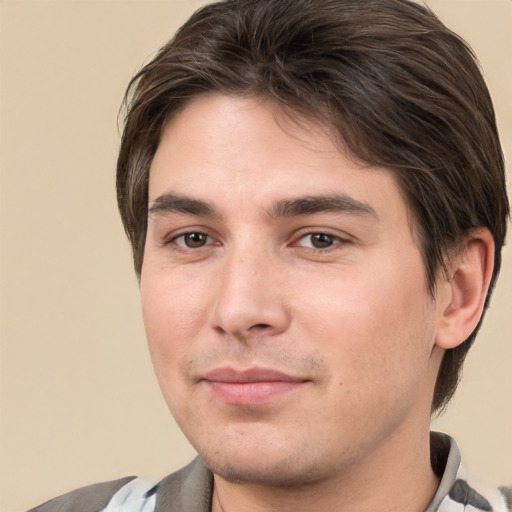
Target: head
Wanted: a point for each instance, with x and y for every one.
(395, 88)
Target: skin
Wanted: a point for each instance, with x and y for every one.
(239, 274)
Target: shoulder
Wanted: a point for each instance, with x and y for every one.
(187, 489)
(91, 498)
(458, 489)
(507, 493)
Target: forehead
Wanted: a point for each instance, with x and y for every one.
(223, 149)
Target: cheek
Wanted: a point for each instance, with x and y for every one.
(367, 325)
(172, 316)
(171, 321)
(376, 355)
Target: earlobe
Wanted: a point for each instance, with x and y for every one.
(466, 289)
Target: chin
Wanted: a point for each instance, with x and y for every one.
(262, 469)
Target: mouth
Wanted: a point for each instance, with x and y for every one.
(253, 386)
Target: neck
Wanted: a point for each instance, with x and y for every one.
(399, 477)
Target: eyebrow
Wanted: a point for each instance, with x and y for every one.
(294, 207)
(171, 203)
(310, 205)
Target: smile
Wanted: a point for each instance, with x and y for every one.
(254, 386)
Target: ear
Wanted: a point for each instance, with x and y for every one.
(463, 291)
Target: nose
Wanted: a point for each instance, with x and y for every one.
(251, 298)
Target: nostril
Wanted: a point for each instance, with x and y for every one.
(261, 326)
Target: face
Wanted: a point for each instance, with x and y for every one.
(284, 297)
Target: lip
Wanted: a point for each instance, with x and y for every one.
(251, 386)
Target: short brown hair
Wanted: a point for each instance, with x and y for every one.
(402, 91)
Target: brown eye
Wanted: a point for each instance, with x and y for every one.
(319, 241)
(322, 240)
(192, 240)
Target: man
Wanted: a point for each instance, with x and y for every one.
(314, 192)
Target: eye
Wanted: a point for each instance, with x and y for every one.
(318, 240)
(194, 240)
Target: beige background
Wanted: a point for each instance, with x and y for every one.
(79, 403)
